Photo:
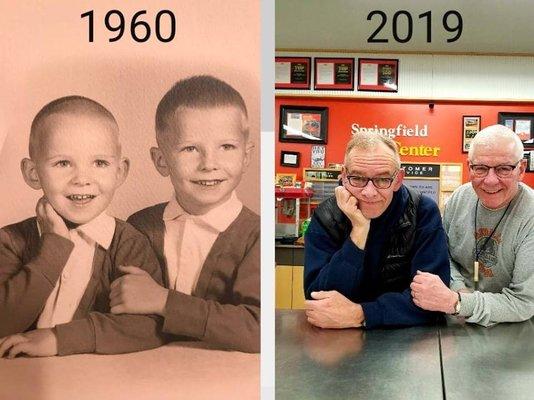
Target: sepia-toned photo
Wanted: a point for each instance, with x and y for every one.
(129, 173)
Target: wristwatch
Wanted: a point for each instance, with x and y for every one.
(458, 305)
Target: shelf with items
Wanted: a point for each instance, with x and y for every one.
(324, 181)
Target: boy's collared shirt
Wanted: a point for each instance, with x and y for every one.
(70, 287)
(189, 238)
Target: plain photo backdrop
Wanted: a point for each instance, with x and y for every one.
(46, 54)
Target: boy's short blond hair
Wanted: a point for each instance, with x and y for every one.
(70, 105)
(368, 141)
(202, 91)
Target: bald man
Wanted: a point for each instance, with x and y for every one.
(490, 227)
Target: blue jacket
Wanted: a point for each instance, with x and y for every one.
(355, 273)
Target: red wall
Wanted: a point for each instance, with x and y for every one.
(444, 126)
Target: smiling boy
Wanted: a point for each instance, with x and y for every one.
(207, 242)
(55, 269)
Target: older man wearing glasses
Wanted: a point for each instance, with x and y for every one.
(490, 226)
(364, 246)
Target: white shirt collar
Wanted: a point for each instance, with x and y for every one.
(100, 229)
(218, 218)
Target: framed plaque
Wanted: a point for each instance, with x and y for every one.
(290, 158)
(378, 75)
(292, 72)
(470, 127)
(303, 124)
(522, 124)
(333, 74)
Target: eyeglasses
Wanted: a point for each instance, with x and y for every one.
(379, 182)
(502, 171)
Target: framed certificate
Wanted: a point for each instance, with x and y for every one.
(378, 75)
(290, 158)
(292, 72)
(333, 73)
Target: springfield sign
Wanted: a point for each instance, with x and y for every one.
(406, 131)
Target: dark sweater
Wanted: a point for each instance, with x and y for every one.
(355, 273)
(30, 266)
(224, 307)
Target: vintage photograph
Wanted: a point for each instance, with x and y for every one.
(129, 173)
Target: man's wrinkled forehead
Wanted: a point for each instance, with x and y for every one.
(378, 158)
(502, 149)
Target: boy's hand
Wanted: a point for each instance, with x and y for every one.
(349, 205)
(137, 293)
(49, 220)
(37, 343)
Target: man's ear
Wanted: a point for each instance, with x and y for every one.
(522, 168)
(124, 168)
(398, 180)
(159, 161)
(29, 172)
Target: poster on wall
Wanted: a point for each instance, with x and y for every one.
(303, 124)
(522, 124)
(470, 127)
(317, 156)
(429, 187)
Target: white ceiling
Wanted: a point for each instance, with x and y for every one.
(489, 26)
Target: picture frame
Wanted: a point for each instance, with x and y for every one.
(283, 179)
(470, 127)
(333, 73)
(292, 73)
(529, 156)
(378, 75)
(303, 124)
(290, 159)
(522, 124)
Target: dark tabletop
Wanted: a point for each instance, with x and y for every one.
(314, 363)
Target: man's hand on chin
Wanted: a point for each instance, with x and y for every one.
(330, 309)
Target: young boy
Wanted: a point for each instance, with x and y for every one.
(56, 269)
(207, 242)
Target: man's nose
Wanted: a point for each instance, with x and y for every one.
(369, 190)
(491, 178)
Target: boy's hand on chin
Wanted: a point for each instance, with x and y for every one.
(137, 293)
(49, 220)
(37, 343)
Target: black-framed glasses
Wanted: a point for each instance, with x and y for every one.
(502, 171)
(379, 182)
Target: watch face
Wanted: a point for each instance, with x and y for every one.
(458, 305)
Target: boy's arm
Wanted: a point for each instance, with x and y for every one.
(233, 326)
(24, 288)
(106, 333)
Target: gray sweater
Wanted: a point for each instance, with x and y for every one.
(506, 271)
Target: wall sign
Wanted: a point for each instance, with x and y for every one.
(421, 170)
